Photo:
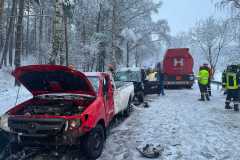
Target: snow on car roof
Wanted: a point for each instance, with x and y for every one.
(93, 73)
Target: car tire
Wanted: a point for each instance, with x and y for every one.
(93, 142)
(128, 111)
(141, 97)
(189, 86)
(4, 140)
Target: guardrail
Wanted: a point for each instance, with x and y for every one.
(218, 83)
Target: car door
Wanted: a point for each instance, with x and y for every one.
(108, 98)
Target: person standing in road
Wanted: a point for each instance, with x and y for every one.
(160, 78)
(203, 78)
(209, 89)
(232, 86)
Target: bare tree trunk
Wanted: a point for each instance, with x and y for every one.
(128, 54)
(1, 23)
(49, 29)
(5, 48)
(99, 18)
(11, 44)
(18, 50)
(12, 37)
(98, 66)
(58, 31)
(102, 57)
(28, 23)
(66, 38)
(35, 34)
(114, 19)
(136, 57)
(8, 34)
(40, 52)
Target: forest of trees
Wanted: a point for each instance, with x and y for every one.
(93, 33)
(86, 33)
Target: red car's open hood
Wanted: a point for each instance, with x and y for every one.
(44, 79)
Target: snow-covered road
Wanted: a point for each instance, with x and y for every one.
(188, 129)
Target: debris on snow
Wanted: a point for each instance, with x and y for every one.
(150, 151)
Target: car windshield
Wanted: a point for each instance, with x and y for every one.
(133, 76)
(95, 82)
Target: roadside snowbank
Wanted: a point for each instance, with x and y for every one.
(8, 92)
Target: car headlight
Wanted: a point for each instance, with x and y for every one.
(191, 77)
(73, 124)
(4, 123)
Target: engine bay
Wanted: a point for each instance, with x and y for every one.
(52, 108)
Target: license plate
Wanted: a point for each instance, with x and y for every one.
(178, 78)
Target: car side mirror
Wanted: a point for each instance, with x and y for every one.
(113, 87)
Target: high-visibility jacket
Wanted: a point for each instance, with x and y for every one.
(203, 77)
(232, 80)
(210, 71)
(224, 79)
(152, 76)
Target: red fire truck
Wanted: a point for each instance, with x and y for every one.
(178, 68)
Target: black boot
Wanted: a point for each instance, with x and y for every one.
(236, 107)
(207, 97)
(202, 98)
(210, 93)
(227, 105)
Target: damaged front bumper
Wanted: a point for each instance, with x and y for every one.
(47, 132)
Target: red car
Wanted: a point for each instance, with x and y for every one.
(67, 108)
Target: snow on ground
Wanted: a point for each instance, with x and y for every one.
(8, 92)
(186, 128)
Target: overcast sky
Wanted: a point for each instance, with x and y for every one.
(183, 14)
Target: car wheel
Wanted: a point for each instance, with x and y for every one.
(189, 86)
(4, 140)
(93, 143)
(141, 97)
(128, 111)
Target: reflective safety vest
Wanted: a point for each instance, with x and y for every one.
(232, 80)
(203, 77)
(152, 76)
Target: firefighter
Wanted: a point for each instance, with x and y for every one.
(209, 89)
(203, 78)
(160, 78)
(152, 76)
(232, 86)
